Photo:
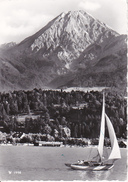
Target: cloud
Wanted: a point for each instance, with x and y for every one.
(22, 18)
(89, 5)
(111, 12)
(114, 14)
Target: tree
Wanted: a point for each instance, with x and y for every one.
(47, 117)
(47, 129)
(13, 108)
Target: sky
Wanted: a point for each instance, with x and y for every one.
(22, 18)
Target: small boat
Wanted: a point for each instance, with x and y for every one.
(100, 162)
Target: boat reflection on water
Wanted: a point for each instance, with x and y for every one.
(95, 175)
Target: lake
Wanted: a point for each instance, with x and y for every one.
(48, 163)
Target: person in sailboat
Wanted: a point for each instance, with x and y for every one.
(80, 162)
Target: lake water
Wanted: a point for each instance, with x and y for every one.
(48, 163)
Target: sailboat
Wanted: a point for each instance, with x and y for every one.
(101, 163)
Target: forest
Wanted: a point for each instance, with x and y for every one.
(57, 113)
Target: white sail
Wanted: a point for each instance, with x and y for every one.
(115, 153)
(102, 130)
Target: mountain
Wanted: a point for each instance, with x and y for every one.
(107, 66)
(8, 45)
(74, 49)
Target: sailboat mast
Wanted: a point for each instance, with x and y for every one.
(102, 130)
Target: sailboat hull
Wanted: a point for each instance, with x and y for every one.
(91, 168)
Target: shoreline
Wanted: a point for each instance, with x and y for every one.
(62, 145)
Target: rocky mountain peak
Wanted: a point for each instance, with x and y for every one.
(69, 34)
